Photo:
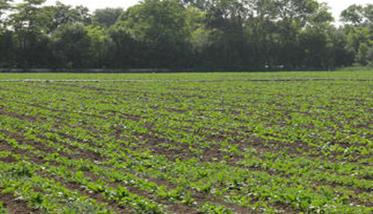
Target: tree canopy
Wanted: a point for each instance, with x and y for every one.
(221, 34)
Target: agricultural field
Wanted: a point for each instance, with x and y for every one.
(187, 143)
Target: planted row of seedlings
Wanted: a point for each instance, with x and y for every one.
(187, 147)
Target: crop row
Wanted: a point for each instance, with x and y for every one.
(187, 147)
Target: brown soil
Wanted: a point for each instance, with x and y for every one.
(15, 206)
(18, 116)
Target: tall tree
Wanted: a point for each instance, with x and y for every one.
(225, 23)
(358, 27)
(358, 14)
(160, 26)
(72, 46)
(100, 43)
(61, 14)
(185, 33)
(6, 36)
(107, 17)
(31, 42)
(4, 6)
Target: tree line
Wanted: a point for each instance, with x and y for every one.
(247, 34)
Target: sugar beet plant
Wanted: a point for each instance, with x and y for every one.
(186, 143)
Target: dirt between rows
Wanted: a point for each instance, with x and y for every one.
(211, 154)
(201, 198)
(19, 206)
(155, 141)
(292, 148)
(16, 115)
(112, 205)
(14, 205)
(176, 207)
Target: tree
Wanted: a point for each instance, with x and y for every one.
(27, 16)
(200, 35)
(61, 14)
(4, 6)
(358, 14)
(30, 41)
(370, 57)
(6, 37)
(7, 49)
(100, 43)
(223, 32)
(358, 26)
(72, 46)
(341, 54)
(159, 26)
(245, 34)
(107, 17)
(126, 51)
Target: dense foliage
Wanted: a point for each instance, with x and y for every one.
(186, 143)
(255, 34)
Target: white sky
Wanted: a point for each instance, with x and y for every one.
(336, 5)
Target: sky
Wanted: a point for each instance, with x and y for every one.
(336, 5)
